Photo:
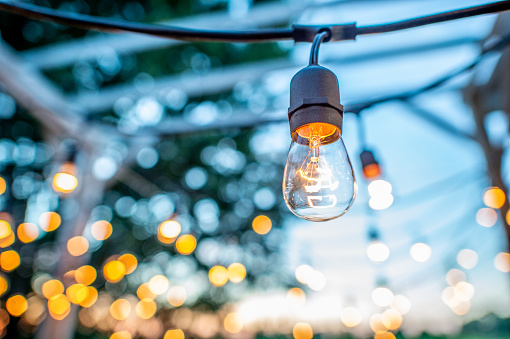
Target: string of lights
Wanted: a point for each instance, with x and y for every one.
(297, 33)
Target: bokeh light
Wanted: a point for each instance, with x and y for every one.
(3, 186)
(120, 309)
(59, 306)
(3, 285)
(502, 262)
(146, 308)
(169, 229)
(130, 262)
(455, 276)
(302, 331)
(27, 232)
(91, 297)
(114, 271)
(77, 246)
(52, 288)
(101, 230)
(121, 335)
(186, 244)
(262, 224)
(9, 260)
(494, 197)
(158, 284)
(176, 296)
(486, 217)
(379, 188)
(296, 297)
(467, 258)
(5, 229)
(382, 296)
(379, 323)
(377, 251)
(351, 317)
(65, 180)
(144, 292)
(49, 221)
(218, 275)
(236, 272)
(401, 304)
(394, 319)
(421, 252)
(174, 334)
(77, 293)
(85, 275)
(232, 323)
(16, 305)
(8, 241)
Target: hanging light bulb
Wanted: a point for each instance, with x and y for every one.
(371, 168)
(318, 182)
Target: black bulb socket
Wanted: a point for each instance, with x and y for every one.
(315, 97)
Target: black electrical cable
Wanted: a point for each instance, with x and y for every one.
(314, 52)
(297, 33)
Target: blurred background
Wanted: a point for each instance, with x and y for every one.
(140, 178)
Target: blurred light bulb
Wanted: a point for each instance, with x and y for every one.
(65, 180)
(319, 182)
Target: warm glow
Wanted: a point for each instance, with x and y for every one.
(232, 323)
(296, 297)
(486, 217)
(77, 293)
(121, 335)
(186, 244)
(16, 305)
(464, 291)
(5, 229)
(49, 221)
(52, 288)
(382, 296)
(377, 251)
(302, 331)
(129, 261)
(262, 224)
(236, 273)
(371, 171)
(27, 232)
(91, 297)
(169, 229)
(158, 284)
(379, 188)
(174, 334)
(3, 185)
(401, 304)
(461, 308)
(494, 197)
(218, 275)
(114, 271)
(9, 260)
(146, 308)
(394, 318)
(120, 309)
(77, 246)
(59, 306)
(454, 276)
(502, 262)
(6, 242)
(64, 183)
(85, 275)
(508, 218)
(420, 252)
(351, 317)
(144, 292)
(164, 240)
(3, 286)
(467, 258)
(101, 230)
(176, 296)
(380, 203)
(379, 324)
(384, 335)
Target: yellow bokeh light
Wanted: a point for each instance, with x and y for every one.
(508, 218)
(351, 317)
(77, 293)
(144, 292)
(296, 297)
(59, 306)
(5, 229)
(218, 275)
(494, 197)
(394, 319)
(16, 305)
(64, 183)
(174, 334)
(121, 335)
(129, 261)
(77, 246)
(8, 241)
(379, 324)
(85, 275)
(176, 296)
(158, 284)
(91, 297)
(120, 309)
(164, 240)
(186, 244)
(3, 286)
(236, 272)
(302, 331)
(52, 288)
(27, 232)
(502, 262)
(9, 260)
(101, 230)
(486, 217)
(146, 308)
(3, 185)
(114, 271)
(384, 335)
(169, 229)
(49, 221)
(232, 323)
(262, 224)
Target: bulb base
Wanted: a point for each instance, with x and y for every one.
(315, 97)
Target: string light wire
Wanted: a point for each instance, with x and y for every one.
(296, 33)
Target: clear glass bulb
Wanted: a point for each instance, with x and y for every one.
(318, 183)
